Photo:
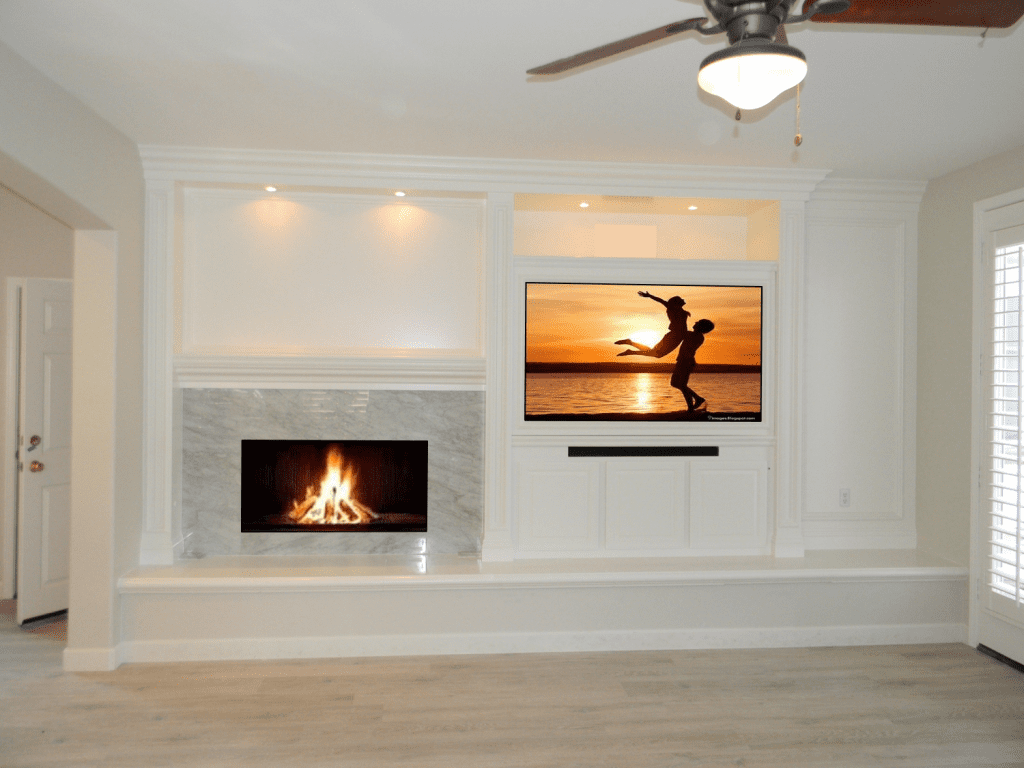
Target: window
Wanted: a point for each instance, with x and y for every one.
(1006, 484)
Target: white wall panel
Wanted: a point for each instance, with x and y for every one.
(854, 386)
(315, 273)
(645, 505)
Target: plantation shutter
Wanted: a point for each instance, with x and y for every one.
(1005, 384)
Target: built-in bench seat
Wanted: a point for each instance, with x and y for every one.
(291, 607)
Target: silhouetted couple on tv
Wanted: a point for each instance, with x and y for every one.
(678, 336)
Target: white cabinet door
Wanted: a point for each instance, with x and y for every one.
(645, 505)
(558, 507)
(729, 506)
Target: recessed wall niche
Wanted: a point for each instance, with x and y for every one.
(328, 272)
(619, 226)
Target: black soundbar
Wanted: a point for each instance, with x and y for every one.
(642, 450)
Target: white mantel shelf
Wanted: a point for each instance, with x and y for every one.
(414, 369)
(354, 572)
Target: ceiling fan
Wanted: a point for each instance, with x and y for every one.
(759, 64)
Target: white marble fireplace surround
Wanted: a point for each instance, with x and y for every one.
(215, 421)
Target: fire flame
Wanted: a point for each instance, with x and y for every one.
(333, 503)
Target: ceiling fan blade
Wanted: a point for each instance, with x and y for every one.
(617, 47)
(945, 13)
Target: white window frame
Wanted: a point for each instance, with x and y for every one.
(981, 608)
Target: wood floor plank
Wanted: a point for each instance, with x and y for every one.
(934, 706)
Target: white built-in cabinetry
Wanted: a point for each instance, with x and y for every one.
(652, 505)
(837, 259)
(641, 506)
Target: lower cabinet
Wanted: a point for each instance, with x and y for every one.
(559, 507)
(641, 506)
(728, 505)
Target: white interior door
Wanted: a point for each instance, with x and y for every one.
(998, 609)
(44, 454)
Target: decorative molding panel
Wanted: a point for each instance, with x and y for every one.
(861, 387)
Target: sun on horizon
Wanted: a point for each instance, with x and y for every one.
(580, 322)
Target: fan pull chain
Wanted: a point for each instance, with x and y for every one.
(738, 115)
(798, 139)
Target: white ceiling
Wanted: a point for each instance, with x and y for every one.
(447, 78)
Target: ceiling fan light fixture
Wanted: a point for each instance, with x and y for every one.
(752, 72)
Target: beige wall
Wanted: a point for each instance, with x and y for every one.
(32, 244)
(61, 155)
(944, 349)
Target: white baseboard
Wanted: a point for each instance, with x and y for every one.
(92, 659)
(528, 642)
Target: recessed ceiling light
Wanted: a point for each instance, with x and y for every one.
(692, 208)
(584, 205)
(399, 194)
(271, 189)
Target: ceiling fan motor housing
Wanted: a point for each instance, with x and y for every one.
(743, 19)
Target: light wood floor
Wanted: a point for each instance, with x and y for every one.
(909, 706)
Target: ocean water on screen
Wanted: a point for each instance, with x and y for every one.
(591, 393)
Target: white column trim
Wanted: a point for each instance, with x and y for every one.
(158, 334)
(788, 474)
(498, 540)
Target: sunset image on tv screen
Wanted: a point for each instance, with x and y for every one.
(602, 352)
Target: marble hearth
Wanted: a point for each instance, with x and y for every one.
(215, 421)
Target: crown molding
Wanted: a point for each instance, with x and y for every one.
(334, 169)
(899, 196)
(295, 372)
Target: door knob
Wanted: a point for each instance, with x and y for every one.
(36, 466)
(33, 443)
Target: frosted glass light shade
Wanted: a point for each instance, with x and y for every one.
(750, 74)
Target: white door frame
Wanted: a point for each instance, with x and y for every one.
(979, 398)
(9, 512)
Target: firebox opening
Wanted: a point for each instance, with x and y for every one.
(334, 485)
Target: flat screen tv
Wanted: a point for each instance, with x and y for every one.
(617, 352)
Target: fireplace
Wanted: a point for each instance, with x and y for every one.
(348, 486)
(216, 422)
